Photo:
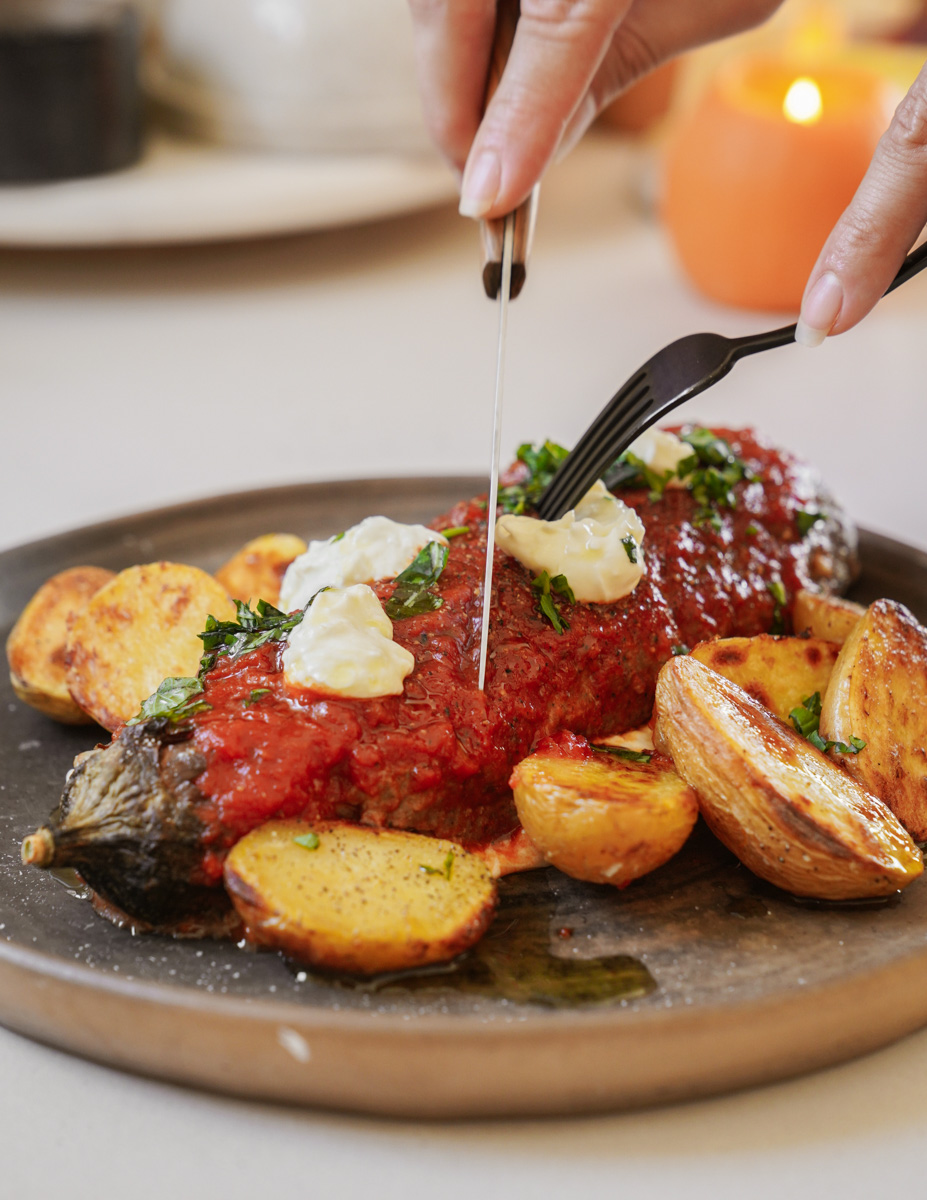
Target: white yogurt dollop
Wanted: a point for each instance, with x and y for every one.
(585, 545)
(661, 452)
(344, 644)
(377, 548)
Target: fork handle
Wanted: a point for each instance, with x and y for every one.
(492, 232)
(915, 262)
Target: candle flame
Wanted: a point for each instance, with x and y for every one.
(803, 103)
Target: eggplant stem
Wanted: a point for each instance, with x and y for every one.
(38, 849)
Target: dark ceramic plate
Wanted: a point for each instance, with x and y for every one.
(696, 979)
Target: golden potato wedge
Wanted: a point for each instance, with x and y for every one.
(600, 817)
(351, 898)
(878, 692)
(139, 629)
(35, 649)
(256, 571)
(824, 616)
(779, 672)
(785, 810)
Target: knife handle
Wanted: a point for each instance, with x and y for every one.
(491, 232)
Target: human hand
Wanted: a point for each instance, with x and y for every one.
(881, 224)
(570, 58)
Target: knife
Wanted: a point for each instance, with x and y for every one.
(506, 243)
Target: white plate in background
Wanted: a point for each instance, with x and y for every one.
(186, 191)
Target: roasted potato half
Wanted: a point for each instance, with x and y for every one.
(256, 571)
(351, 898)
(785, 810)
(35, 648)
(779, 672)
(878, 692)
(824, 616)
(137, 630)
(600, 817)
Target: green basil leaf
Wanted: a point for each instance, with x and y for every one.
(545, 586)
(174, 699)
(630, 548)
(639, 756)
(254, 627)
(412, 595)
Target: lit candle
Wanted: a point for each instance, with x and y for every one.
(761, 169)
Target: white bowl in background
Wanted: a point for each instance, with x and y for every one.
(295, 75)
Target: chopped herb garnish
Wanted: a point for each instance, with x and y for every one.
(639, 756)
(456, 531)
(338, 536)
(542, 462)
(174, 699)
(308, 841)
(412, 595)
(806, 718)
(710, 474)
(680, 648)
(776, 589)
(805, 520)
(631, 471)
(444, 870)
(547, 588)
(256, 694)
(630, 548)
(254, 628)
(752, 530)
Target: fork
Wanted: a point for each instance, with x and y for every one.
(675, 374)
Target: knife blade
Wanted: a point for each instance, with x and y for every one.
(506, 243)
(505, 287)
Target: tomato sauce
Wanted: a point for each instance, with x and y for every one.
(437, 758)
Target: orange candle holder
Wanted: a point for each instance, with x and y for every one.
(758, 173)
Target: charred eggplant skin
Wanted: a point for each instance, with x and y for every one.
(129, 821)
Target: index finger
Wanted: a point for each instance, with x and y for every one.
(453, 40)
(558, 47)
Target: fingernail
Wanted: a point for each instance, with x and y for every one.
(480, 185)
(819, 310)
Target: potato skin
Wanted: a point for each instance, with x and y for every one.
(602, 818)
(878, 692)
(256, 570)
(785, 810)
(362, 901)
(825, 616)
(778, 672)
(35, 649)
(137, 630)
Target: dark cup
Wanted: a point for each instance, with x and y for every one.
(70, 102)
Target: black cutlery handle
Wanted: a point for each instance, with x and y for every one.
(915, 262)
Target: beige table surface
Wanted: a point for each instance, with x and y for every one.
(137, 378)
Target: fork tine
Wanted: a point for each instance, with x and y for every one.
(593, 451)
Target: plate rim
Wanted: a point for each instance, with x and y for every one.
(29, 969)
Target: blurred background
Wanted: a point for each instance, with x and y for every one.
(229, 257)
